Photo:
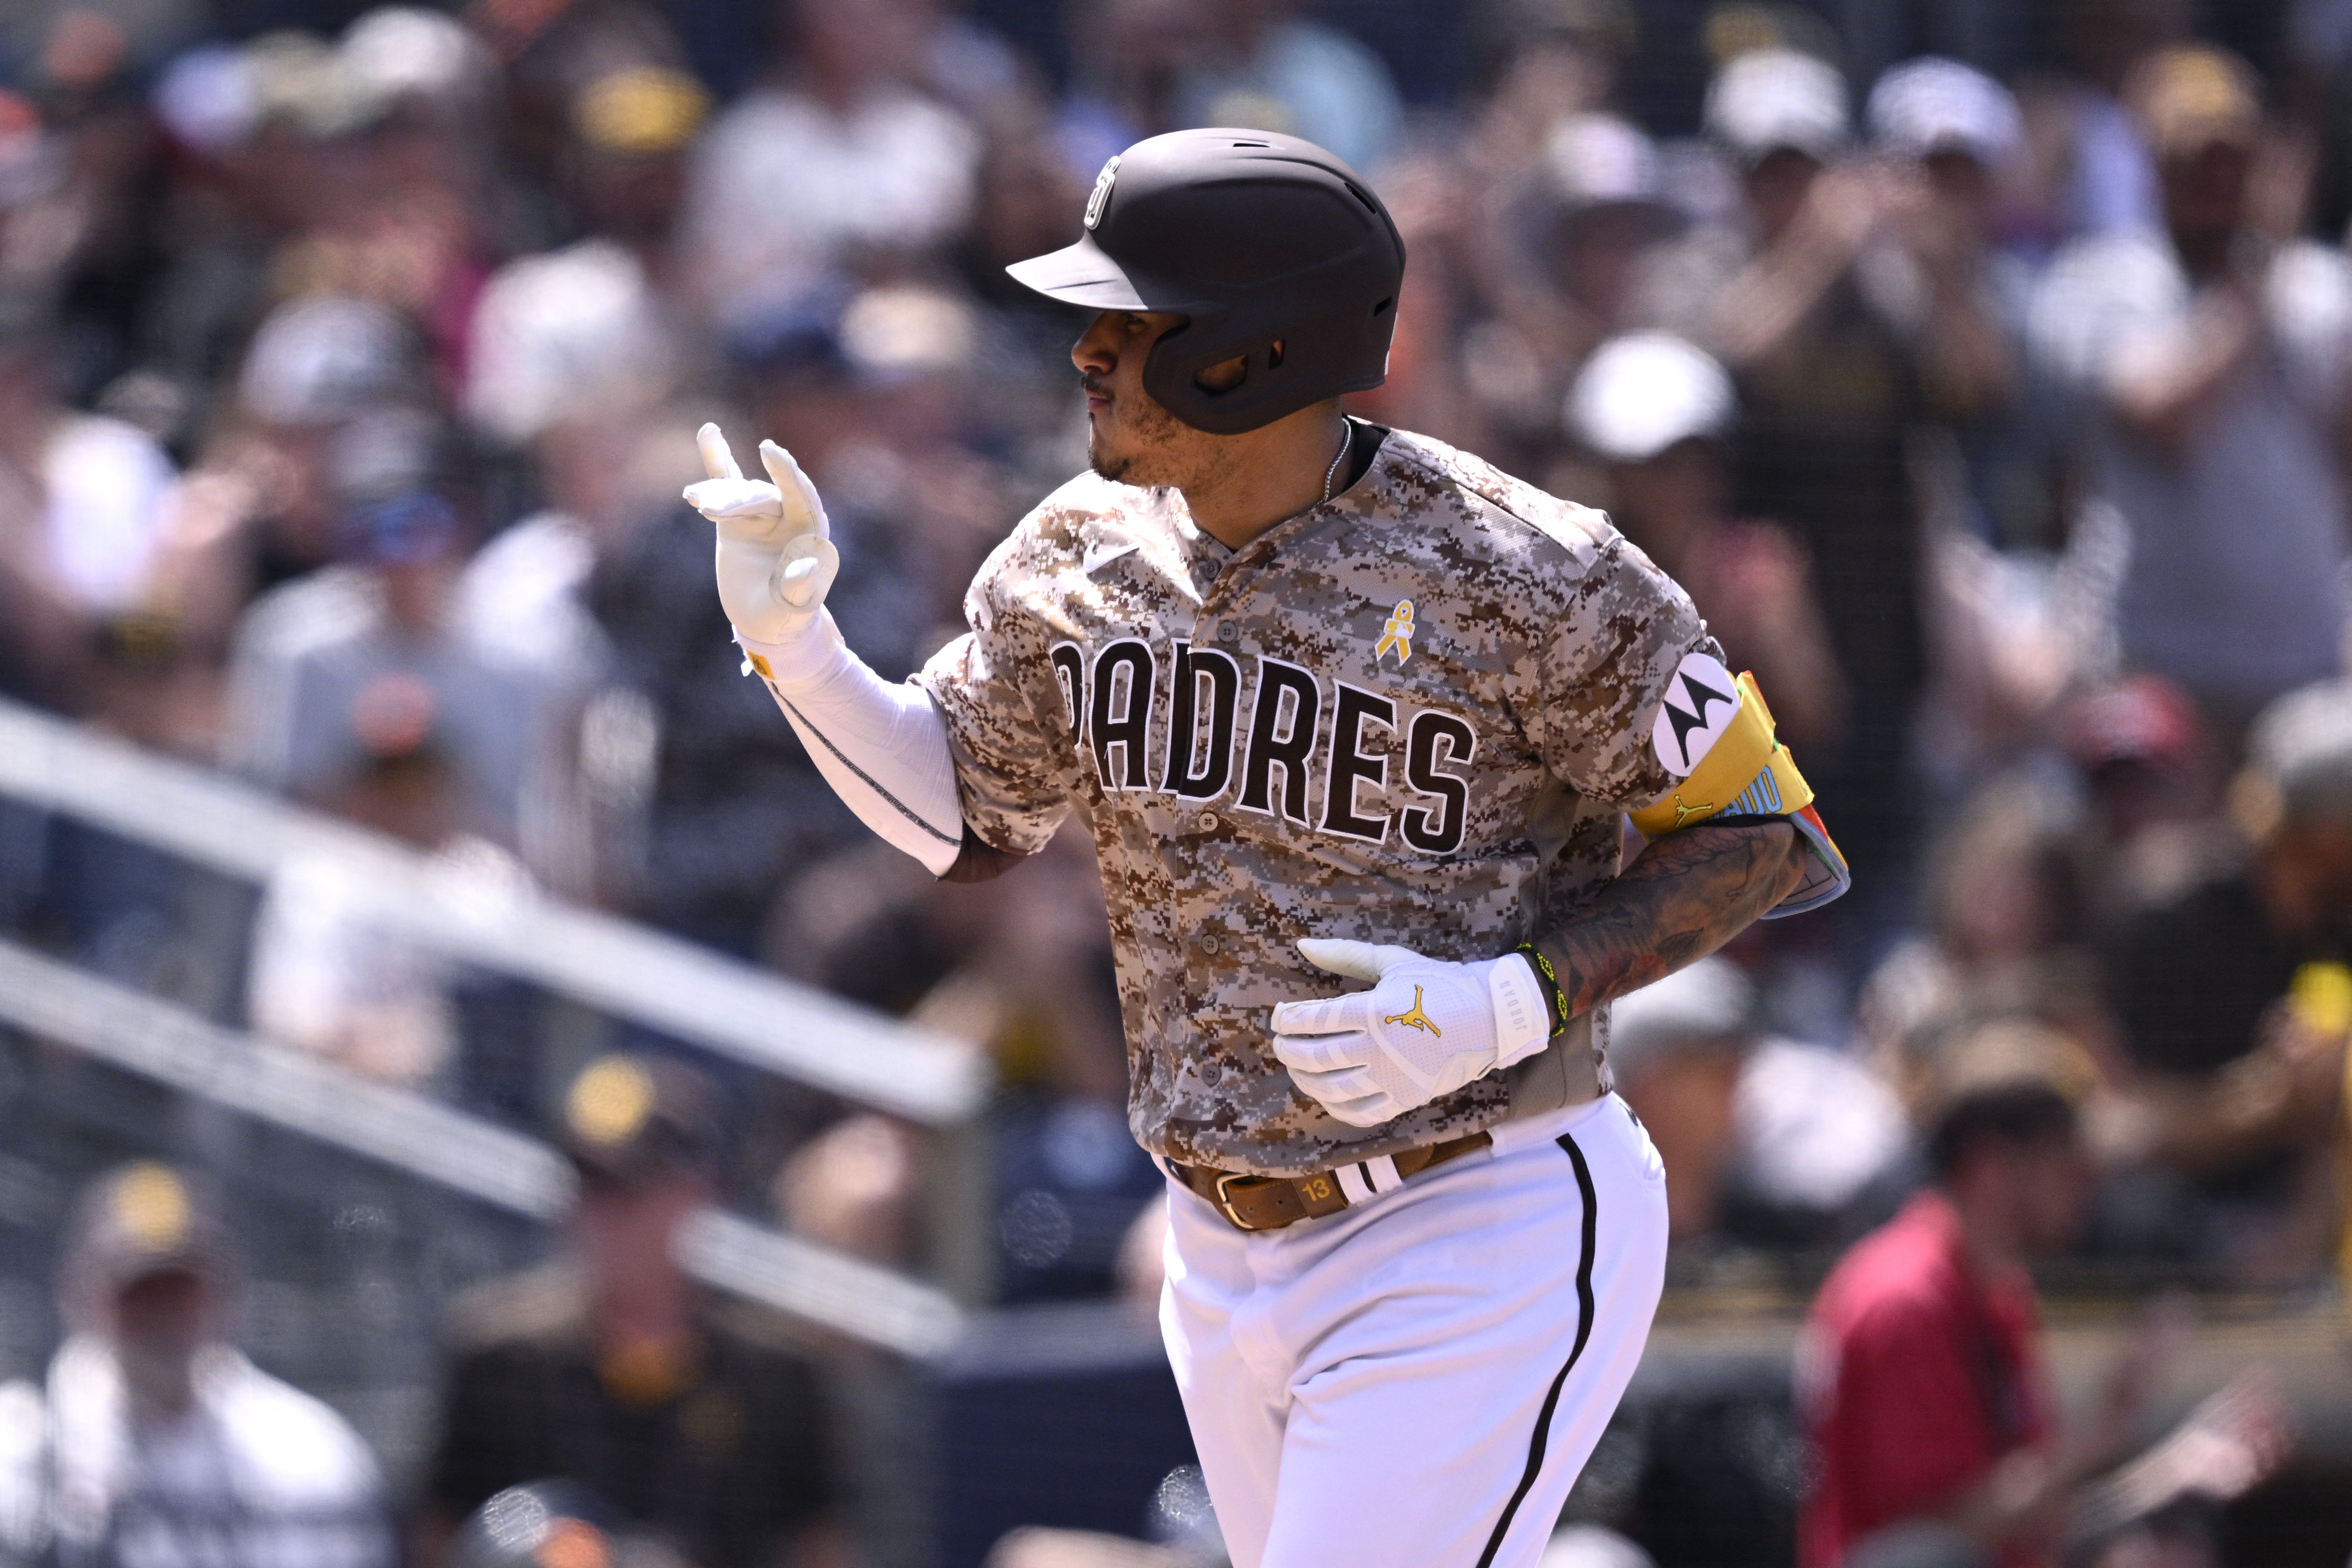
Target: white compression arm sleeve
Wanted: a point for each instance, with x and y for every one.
(883, 748)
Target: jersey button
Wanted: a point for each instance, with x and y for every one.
(1228, 632)
(1211, 944)
(1210, 822)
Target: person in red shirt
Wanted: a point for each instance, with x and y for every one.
(1918, 1379)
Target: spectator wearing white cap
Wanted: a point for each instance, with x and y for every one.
(1792, 301)
(87, 504)
(1780, 118)
(1612, 214)
(1954, 133)
(1562, 264)
(1675, 1048)
(1931, 105)
(1777, 99)
(572, 356)
(1658, 412)
(316, 363)
(1953, 139)
(1757, 1133)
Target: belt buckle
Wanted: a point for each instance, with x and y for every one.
(1225, 1204)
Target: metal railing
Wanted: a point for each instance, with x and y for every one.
(758, 1018)
(506, 925)
(464, 1154)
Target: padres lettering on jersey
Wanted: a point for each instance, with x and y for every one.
(1245, 727)
(1411, 714)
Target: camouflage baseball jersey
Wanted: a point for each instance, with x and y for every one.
(1411, 714)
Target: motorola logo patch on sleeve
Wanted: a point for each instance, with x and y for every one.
(1700, 701)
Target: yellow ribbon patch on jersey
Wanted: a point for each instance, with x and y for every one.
(1397, 636)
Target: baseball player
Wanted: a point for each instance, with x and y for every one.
(1356, 720)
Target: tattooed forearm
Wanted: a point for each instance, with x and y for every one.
(1682, 899)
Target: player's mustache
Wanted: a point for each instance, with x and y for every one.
(1094, 386)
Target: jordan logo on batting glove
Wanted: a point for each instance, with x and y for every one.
(1416, 1019)
(1426, 1028)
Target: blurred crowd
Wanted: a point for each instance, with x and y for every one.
(347, 384)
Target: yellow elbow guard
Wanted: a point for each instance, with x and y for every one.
(1746, 775)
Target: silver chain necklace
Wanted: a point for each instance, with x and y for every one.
(1347, 444)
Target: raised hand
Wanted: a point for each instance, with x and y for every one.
(776, 559)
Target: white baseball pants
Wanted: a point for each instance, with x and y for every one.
(1415, 1381)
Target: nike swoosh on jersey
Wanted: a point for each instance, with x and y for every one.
(1098, 556)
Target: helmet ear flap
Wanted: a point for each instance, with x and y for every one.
(1291, 363)
(1175, 380)
(1181, 355)
(1200, 343)
(1257, 364)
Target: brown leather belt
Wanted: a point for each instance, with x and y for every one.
(1268, 1203)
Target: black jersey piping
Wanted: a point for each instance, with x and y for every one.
(871, 783)
(1542, 1436)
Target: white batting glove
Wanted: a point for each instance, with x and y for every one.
(776, 558)
(1424, 1029)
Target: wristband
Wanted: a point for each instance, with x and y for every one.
(1555, 998)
